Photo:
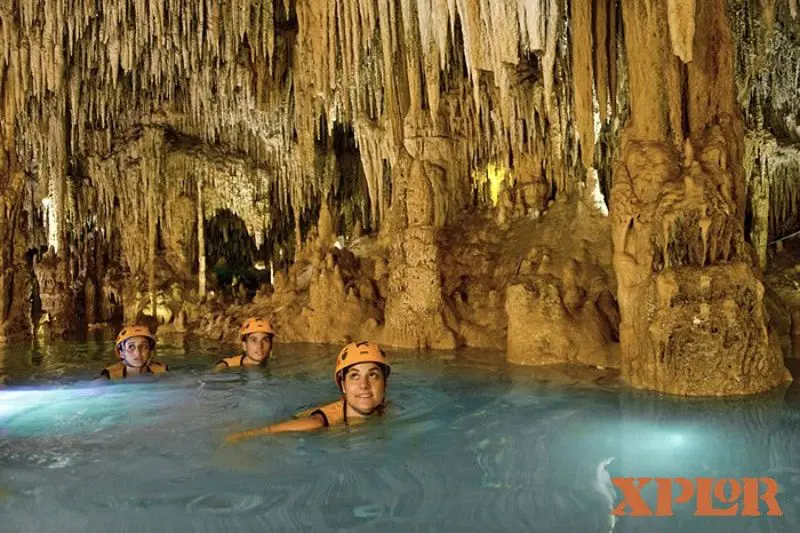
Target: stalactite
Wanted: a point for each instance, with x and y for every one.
(14, 303)
(205, 93)
(548, 73)
(681, 27)
(581, 16)
(601, 47)
(612, 55)
(153, 148)
(232, 106)
(201, 240)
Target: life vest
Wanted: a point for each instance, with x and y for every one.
(333, 413)
(237, 361)
(120, 370)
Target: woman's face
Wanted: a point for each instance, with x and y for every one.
(136, 351)
(364, 387)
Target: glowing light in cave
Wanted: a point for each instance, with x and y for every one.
(676, 439)
(495, 175)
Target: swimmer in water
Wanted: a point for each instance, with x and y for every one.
(256, 334)
(361, 373)
(135, 347)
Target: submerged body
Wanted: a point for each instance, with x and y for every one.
(135, 347)
(122, 371)
(361, 373)
(256, 334)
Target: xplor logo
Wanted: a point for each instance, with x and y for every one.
(712, 497)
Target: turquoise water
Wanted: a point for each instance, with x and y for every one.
(469, 444)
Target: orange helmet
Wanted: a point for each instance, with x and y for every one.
(133, 331)
(255, 325)
(360, 352)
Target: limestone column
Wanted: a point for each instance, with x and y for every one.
(14, 270)
(414, 307)
(52, 271)
(692, 312)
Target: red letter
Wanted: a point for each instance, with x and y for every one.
(664, 498)
(664, 506)
(751, 497)
(631, 496)
(736, 491)
(705, 504)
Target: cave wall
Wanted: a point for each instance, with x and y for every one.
(128, 125)
(766, 36)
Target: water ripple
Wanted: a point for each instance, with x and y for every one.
(225, 503)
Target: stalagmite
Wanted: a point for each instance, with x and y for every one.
(415, 289)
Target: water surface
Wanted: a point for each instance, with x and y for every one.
(469, 444)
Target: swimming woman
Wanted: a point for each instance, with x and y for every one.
(361, 374)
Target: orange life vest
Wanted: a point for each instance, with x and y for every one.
(237, 361)
(120, 370)
(333, 413)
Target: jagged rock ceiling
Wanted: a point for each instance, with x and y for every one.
(514, 77)
(264, 79)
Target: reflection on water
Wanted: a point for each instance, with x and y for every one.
(469, 444)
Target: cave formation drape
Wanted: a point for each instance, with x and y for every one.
(424, 173)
